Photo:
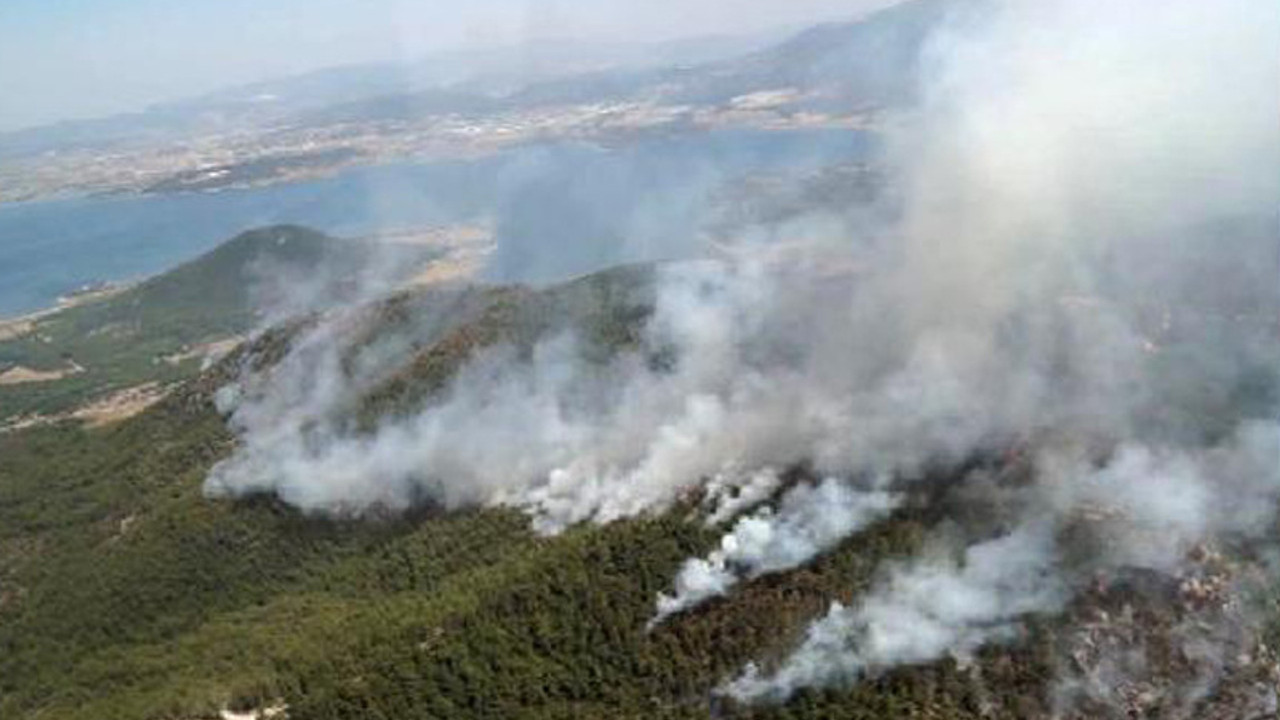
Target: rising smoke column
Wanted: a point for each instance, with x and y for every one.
(1072, 170)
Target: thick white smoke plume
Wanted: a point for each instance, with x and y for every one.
(810, 519)
(1084, 266)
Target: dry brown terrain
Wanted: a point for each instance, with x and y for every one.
(209, 352)
(109, 409)
(465, 249)
(18, 374)
(120, 405)
(16, 328)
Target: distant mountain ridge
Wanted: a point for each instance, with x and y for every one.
(864, 62)
(485, 73)
(868, 61)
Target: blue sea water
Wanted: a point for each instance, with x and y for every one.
(543, 196)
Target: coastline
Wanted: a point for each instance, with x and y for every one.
(13, 327)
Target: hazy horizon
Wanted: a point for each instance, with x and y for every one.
(92, 58)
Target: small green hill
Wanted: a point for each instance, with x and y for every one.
(147, 332)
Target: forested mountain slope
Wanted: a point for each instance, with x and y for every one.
(126, 593)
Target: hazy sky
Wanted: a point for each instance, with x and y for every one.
(77, 58)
